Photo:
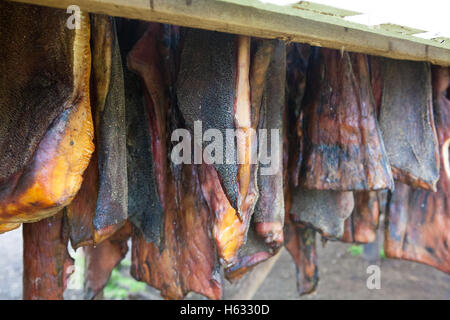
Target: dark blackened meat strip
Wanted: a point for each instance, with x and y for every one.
(269, 211)
(361, 226)
(145, 60)
(100, 207)
(301, 244)
(297, 56)
(46, 124)
(46, 260)
(406, 122)
(111, 211)
(324, 210)
(206, 91)
(102, 259)
(343, 146)
(146, 139)
(144, 206)
(418, 220)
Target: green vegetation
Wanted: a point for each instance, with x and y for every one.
(356, 250)
(119, 286)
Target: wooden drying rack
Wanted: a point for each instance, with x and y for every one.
(304, 22)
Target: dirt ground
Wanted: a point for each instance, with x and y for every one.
(342, 276)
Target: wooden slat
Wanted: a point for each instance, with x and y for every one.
(253, 18)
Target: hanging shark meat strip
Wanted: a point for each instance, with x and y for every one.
(111, 211)
(362, 225)
(100, 208)
(406, 121)
(46, 124)
(186, 258)
(213, 87)
(206, 88)
(144, 205)
(343, 146)
(265, 236)
(301, 244)
(297, 56)
(269, 212)
(418, 220)
(102, 259)
(46, 261)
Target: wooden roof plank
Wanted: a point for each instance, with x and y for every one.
(254, 18)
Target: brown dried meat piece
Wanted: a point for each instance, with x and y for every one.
(418, 221)
(102, 259)
(188, 259)
(301, 244)
(362, 225)
(406, 122)
(343, 146)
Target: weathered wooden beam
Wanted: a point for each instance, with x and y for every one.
(254, 18)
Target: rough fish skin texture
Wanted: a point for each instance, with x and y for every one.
(46, 261)
(323, 210)
(301, 244)
(206, 91)
(102, 259)
(343, 146)
(46, 90)
(112, 200)
(144, 206)
(418, 221)
(362, 225)
(406, 122)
